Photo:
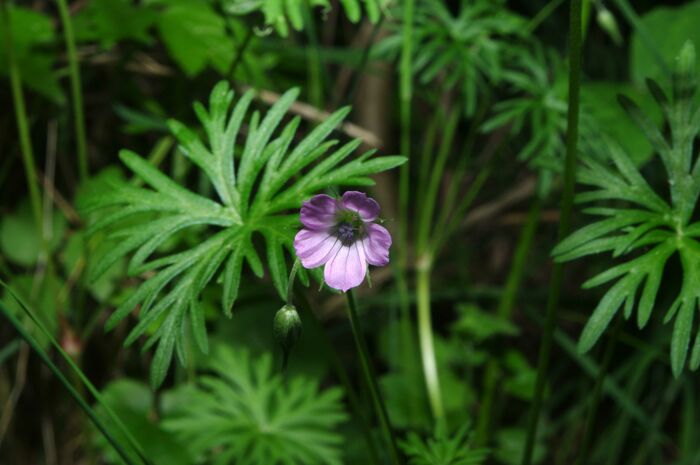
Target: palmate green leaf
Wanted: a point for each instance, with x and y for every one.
(244, 413)
(195, 36)
(133, 401)
(468, 49)
(539, 82)
(256, 190)
(111, 21)
(443, 449)
(641, 227)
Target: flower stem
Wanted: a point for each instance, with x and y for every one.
(597, 391)
(405, 95)
(564, 223)
(405, 98)
(427, 347)
(315, 67)
(290, 281)
(644, 36)
(22, 124)
(328, 349)
(240, 51)
(370, 378)
(504, 311)
(75, 86)
(66, 384)
(543, 14)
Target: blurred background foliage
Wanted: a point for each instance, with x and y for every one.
(496, 71)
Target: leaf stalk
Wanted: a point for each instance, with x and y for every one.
(575, 33)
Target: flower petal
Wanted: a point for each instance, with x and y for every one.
(314, 248)
(319, 212)
(367, 207)
(376, 245)
(346, 269)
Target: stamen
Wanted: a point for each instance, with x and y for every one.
(346, 234)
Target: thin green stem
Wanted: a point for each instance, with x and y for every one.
(359, 72)
(504, 311)
(443, 231)
(543, 14)
(429, 196)
(22, 123)
(9, 350)
(290, 282)
(370, 378)
(401, 268)
(239, 53)
(427, 346)
(454, 206)
(564, 223)
(79, 373)
(75, 87)
(340, 371)
(633, 18)
(651, 442)
(315, 70)
(597, 391)
(426, 159)
(66, 384)
(407, 334)
(405, 96)
(633, 388)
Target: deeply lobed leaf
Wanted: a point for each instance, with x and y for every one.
(255, 191)
(654, 229)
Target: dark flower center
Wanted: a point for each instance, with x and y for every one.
(345, 233)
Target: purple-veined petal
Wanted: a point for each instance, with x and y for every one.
(314, 248)
(347, 269)
(376, 244)
(319, 212)
(367, 207)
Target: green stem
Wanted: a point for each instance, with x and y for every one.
(564, 223)
(290, 282)
(340, 371)
(66, 384)
(316, 82)
(597, 391)
(445, 228)
(364, 60)
(650, 442)
(427, 346)
(286, 350)
(426, 159)
(75, 87)
(370, 378)
(401, 268)
(239, 53)
(22, 124)
(430, 194)
(407, 334)
(633, 388)
(632, 17)
(542, 15)
(78, 372)
(405, 96)
(504, 311)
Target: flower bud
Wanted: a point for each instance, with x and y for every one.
(607, 22)
(684, 73)
(287, 327)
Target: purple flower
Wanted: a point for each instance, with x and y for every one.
(342, 234)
